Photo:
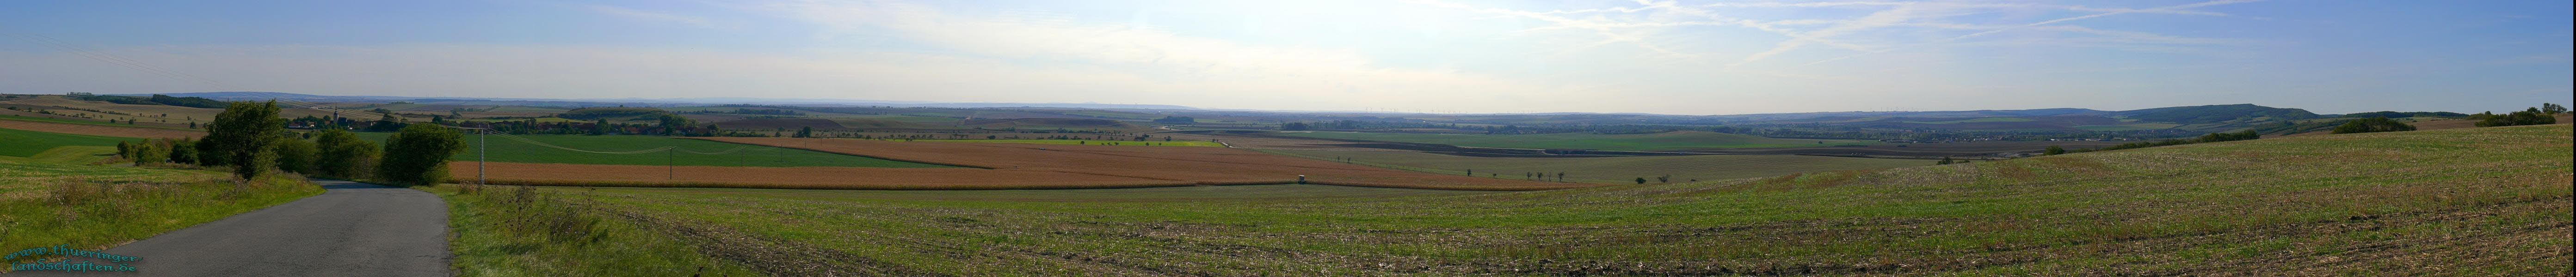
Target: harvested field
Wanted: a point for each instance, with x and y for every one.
(100, 130)
(1196, 165)
(794, 177)
(1959, 149)
(1616, 170)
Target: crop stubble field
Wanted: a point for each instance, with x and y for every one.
(2487, 201)
(1613, 169)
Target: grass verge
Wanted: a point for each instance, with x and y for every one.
(522, 232)
(59, 205)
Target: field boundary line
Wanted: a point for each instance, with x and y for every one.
(852, 154)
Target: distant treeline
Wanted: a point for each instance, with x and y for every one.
(156, 99)
(2211, 137)
(2391, 114)
(751, 112)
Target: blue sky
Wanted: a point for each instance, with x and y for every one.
(1672, 57)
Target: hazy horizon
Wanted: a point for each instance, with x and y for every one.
(1686, 58)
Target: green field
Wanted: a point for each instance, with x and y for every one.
(506, 150)
(1972, 120)
(2127, 127)
(1200, 143)
(1682, 140)
(24, 143)
(1610, 169)
(2484, 201)
(84, 122)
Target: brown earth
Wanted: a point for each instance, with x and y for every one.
(1194, 165)
(100, 130)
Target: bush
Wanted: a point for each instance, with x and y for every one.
(341, 154)
(297, 155)
(2372, 125)
(418, 155)
(245, 137)
(2532, 116)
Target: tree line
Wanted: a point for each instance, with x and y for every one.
(251, 140)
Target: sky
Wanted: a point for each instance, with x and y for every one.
(1446, 56)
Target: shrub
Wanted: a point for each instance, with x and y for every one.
(418, 155)
(2372, 125)
(342, 154)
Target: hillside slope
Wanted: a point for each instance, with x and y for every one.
(2483, 201)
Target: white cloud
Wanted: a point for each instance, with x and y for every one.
(650, 15)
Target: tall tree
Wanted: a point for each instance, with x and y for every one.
(418, 155)
(245, 136)
(342, 154)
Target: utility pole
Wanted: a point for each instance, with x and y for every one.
(481, 149)
(668, 169)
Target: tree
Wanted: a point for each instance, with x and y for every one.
(2372, 125)
(1641, 180)
(1667, 178)
(2052, 150)
(342, 154)
(1946, 160)
(1294, 126)
(671, 123)
(149, 153)
(806, 132)
(418, 155)
(2532, 116)
(183, 151)
(599, 128)
(245, 136)
(2548, 108)
(297, 155)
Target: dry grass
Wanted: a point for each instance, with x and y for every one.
(100, 130)
(1195, 165)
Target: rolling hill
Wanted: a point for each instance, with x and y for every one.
(2483, 201)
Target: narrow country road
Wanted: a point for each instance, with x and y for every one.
(354, 229)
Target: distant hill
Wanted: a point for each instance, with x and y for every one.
(2212, 113)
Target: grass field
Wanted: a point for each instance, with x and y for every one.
(95, 207)
(23, 143)
(1682, 140)
(506, 150)
(1142, 166)
(1087, 142)
(2485, 201)
(111, 130)
(1610, 169)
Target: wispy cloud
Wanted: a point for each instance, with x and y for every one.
(650, 15)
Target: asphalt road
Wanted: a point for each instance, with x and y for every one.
(353, 229)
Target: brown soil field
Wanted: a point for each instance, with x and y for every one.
(1194, 165)
(100, 130)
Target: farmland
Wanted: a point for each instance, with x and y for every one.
(693, 152)
(97, 129)
(1179, 165)
(1611, 169)
(24, 143)
(1088, 142)
(2483, 201)
(1677, 140)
